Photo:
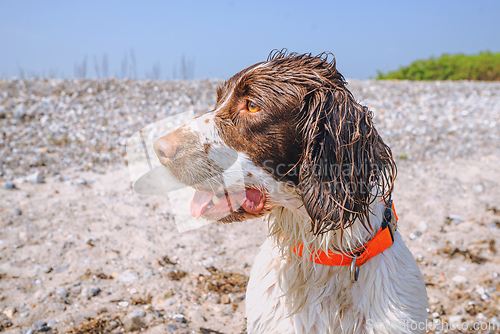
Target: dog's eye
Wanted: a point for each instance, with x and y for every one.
(252, 107)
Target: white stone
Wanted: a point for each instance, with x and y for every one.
(34, 178)
(459, 279)
(128, 277)
(423, 225)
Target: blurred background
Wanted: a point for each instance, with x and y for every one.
(202, 39)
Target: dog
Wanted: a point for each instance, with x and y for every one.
(312, 162)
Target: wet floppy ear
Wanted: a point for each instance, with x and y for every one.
(344, 158)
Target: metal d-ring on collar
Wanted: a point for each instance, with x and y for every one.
(354, 269)
(388, 222)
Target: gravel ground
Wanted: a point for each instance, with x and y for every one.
(80, 252)
(50, 125)
(422, 120)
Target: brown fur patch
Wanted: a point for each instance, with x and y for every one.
(309, 130)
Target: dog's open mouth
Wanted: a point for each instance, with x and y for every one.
(211, 205)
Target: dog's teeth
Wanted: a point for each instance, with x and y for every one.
(216, 200)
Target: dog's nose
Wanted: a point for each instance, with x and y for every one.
(166, 147)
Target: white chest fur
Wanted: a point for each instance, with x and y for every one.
(287, 295)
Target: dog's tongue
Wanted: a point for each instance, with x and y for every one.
(251, 200)
(199, 203)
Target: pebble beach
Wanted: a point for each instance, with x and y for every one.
(81, 252)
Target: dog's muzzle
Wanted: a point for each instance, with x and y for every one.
(182, 159)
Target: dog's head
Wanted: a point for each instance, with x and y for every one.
(296, 131)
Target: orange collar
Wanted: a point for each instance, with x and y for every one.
(379, 243)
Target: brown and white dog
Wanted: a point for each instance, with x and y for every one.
(312, 162)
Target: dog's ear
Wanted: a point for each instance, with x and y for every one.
(345, 163)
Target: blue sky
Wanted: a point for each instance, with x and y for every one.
(222, 37)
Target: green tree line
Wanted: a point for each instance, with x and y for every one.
(484, 66)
